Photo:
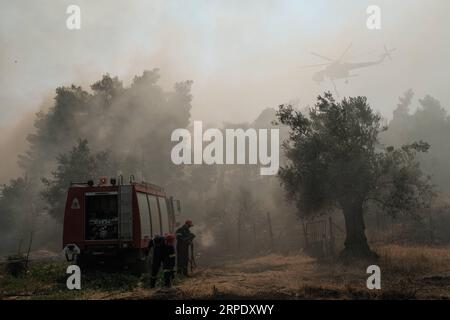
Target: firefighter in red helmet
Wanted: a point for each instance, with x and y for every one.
(184, 241)
(169, 262)
(163, 253)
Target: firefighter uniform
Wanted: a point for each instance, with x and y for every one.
(184, 240)
(169, 260)
(163, 254)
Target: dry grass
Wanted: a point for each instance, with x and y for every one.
(414, 260)
(407, 273)
(416, 272)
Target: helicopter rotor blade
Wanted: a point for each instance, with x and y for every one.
(321, 56)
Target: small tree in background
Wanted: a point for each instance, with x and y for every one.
(335, 160)
(78, 165)
(17, 213)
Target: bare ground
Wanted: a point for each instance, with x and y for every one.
(407, 273)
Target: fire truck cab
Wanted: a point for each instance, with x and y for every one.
(115, 220)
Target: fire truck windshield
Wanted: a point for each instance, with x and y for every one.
(101, 217)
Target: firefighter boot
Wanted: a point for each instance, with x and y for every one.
(167, 278)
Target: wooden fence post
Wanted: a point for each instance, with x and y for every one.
(305, 234)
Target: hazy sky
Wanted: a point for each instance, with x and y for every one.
(243, 56)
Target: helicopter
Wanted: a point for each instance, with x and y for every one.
(337, 69)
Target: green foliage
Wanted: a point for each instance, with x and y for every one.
(41, 279)
(134, 123)
(55, 130)
(78, 165)
(17, 203)
(429, 122)
(335, 159)
(44, 280)
(12, 202)
(16, 265)
(401, 187)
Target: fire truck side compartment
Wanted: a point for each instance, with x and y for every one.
(142, 210)
(125, 213)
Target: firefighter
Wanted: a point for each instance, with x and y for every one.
(184, 241)
(169, 260)
(163, 253)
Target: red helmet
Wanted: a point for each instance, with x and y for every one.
(189, 223)
(170, 238)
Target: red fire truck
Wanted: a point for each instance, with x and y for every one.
(115, 220)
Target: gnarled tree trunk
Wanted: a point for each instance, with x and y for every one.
(356, 245)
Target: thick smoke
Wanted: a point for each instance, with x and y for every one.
(243, 58)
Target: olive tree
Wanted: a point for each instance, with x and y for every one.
(334, 159)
